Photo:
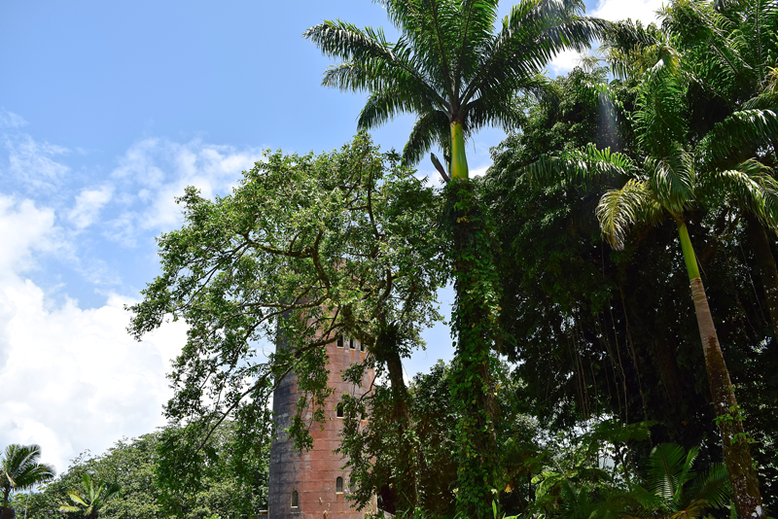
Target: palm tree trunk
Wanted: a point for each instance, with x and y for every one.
(6, 512)
(768, 272)
(459, 169)
(737, 456)
(474, 319)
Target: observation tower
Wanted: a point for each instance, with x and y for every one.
(312, 484)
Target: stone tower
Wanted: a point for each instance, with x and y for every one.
(312, 484)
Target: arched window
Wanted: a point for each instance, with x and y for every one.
(339, 485)
(295, 499)
(339, 410)
(340, 341)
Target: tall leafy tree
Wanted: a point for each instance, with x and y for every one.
(309, 248)
(457, 73)
(20, 470)
(673, 177)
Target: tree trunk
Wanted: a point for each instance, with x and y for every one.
(475, 321)
(5, 511)
(386, 351)
(768, 272)
(459, 169)
(737, 456)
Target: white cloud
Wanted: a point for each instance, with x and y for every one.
(72, 378)
(154, 172)
(565, 61)
(478, 172)
(25, 228)
(10, 119)
(88, 205)
(31, 163)
(615, 10)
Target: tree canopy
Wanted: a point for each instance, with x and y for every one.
(574, 358)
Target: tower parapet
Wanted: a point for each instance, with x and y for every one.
(313, 484)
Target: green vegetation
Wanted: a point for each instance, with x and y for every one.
(20, 470)
(457, 72)
(89, 501)
(579, 387)
(141, 478)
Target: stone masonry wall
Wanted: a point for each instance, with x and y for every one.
(313, 474)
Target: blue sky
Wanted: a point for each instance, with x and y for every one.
(107, 111)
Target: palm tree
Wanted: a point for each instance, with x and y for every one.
(672, 178)
(733, 54)
(458, 74)
(730, 55)
(90, 500)
(20, 470)
(674, 490)
(449, 66)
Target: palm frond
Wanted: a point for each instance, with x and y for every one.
(430, 128)
(738, 136)
(531, 35)
(19, 467)
(579, 166)
(750, 185)
(382, 105)
(662, 117)
(76, 498)
(647, 500)
(669, 468)
(478, 20)
(619, 209)
(755, 36)
(339, 39)
(626, 46)
(686, 474)
(672, 177)
(431, 28)
(714, 486)
(691, 511)
(767, 100)
(370, 62)
(500, 112)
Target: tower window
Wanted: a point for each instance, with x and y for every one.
(361, 347)
(339, 410)
(295, 499)
(351, 343)
(339, 485)
(340, 341)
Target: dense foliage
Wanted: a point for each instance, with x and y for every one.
(457, 70)
(307, 248)
(134, 479)
(578, 350)
(20, 470)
